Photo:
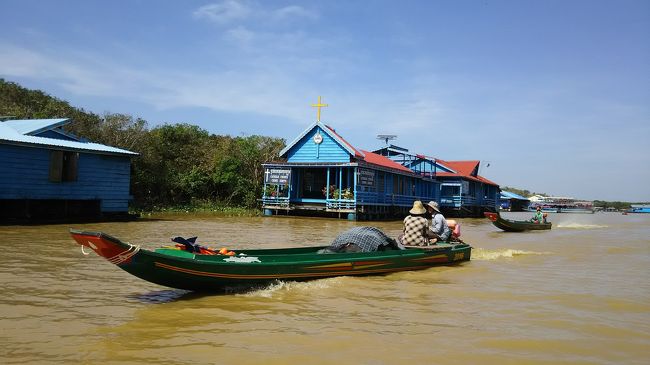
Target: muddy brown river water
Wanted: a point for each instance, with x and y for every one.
(578, 294)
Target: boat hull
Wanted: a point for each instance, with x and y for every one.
(515, 226)
(249, 268)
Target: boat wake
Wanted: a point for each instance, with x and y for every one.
(480, 254)
(580, 226)
(163, 296)
(279, 286)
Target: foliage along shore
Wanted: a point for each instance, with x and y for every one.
(205, 207)
(180, 166)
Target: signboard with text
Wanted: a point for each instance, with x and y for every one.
(277, 176)
(366, 177)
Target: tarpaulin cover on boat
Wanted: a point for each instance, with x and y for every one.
(363, 239)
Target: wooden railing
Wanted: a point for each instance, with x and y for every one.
(340, 204)
(372, 198)
(275, 202)
(456, 201)
(491, 203)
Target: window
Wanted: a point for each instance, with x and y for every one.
(472, 189)
(63, 166)
(450, 190)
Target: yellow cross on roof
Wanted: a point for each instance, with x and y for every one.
(319, 105)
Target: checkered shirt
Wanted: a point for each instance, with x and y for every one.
(415, 231)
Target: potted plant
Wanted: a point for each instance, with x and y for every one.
(333, 192)
(271, 191)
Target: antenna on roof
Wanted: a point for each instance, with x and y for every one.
(387, 137)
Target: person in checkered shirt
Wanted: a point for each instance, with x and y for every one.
(416, 227)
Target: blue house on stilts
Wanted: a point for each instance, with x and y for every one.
(49, 174)
(323, 175)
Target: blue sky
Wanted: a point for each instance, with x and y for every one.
(554, 95)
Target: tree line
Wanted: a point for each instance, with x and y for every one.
(178, 164)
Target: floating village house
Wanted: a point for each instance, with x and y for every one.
(513, 202)
(325, 175)
(48, 173)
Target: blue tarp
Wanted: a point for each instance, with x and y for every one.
(509, 195)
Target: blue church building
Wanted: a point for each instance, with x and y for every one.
(48, 173)
(322, 174)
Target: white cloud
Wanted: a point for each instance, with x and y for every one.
(281, 82)
(224, 12)
(21, 62)
(256, 89)
(241, 36)
(230, 11)
(29, 65)
(292, 11)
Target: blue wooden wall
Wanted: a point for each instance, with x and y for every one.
(24, 173)
(55, 135)
(426, 166)
(306, 150)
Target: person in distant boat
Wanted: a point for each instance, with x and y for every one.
(538, 217)
(416, 227)
(439, 225)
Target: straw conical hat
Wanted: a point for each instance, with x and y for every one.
(434, 206)
(418, 208)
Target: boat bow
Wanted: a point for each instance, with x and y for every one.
(110, 248)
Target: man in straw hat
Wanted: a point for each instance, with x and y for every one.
(439, 224)
(416, 226)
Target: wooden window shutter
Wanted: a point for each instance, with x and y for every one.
(56, 166)
(70, 166)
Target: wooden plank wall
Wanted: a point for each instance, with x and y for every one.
(55, 135)
(307, 151)
(24, 174)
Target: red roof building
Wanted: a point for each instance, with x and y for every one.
(322, 172)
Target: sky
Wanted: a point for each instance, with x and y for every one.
(553, 95)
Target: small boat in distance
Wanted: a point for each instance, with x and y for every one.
(208, 271)
(638, 209)
(515, 226)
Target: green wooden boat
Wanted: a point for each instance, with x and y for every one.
(176, 268)
(515, 226)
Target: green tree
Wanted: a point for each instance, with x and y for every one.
(177, 163)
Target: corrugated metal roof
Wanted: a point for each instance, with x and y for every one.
(379, 160)
(509, 195)
(357, 153)
(12, 136)
(34, 126)
(465, 168)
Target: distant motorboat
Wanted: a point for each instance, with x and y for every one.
(509, 225)
(638, 209)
